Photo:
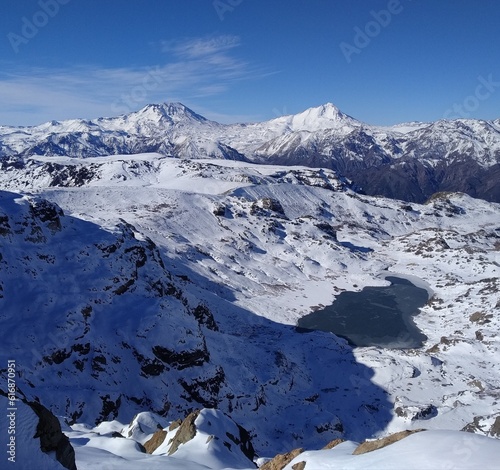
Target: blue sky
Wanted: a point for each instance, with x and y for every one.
(380, 61)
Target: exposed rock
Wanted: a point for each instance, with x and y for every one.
(427, 412)
(267, 204)
(280, 461)
(475, 426)
(184, 359)
(175, 424)
(328, 230)
(333, 444)
(481, 318)
(47, 212)
(52, 438)
(5, 227)
(369, 446)
(205, 317)
(244, 442)
(415, 412)
(185, 432)
(219, 210)
(480, 425)
(495, 428)
(155, 441)
(205, 390)
(299, 466)
(109, 408)
(476, 383)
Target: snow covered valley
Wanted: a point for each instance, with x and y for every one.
(159, 286)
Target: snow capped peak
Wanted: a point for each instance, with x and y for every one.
(328, 109)
(326, 116)
(174, 112)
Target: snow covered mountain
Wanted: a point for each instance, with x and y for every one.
(170, 128)
(408, 161)
(142, 283)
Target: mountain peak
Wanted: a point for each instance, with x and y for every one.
(327, 111)
(175, 112)
(326, 116)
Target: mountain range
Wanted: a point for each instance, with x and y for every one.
(408, 161)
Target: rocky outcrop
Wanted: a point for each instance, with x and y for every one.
(280, 461)
(185, 432)
(495, 428)
(333, 444)
(267, 206)
(482, 425)
(416, 412)
(370, 446)
(156, 441)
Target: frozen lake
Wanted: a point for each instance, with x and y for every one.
(375, 316)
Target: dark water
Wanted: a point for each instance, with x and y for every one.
(376, 316)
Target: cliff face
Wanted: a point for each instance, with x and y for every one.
(34, 436)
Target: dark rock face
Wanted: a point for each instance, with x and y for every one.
(244, 442)
(51, 437)
(408, 179)
(182, 360)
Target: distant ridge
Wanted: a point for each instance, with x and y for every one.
(409, 161)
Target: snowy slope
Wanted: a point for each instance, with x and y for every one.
(86, 309)
(188, 276)
(21, 449)
(110, 446)
(430, 450)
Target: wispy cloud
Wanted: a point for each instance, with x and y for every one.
(193, 68)
(201, 47)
